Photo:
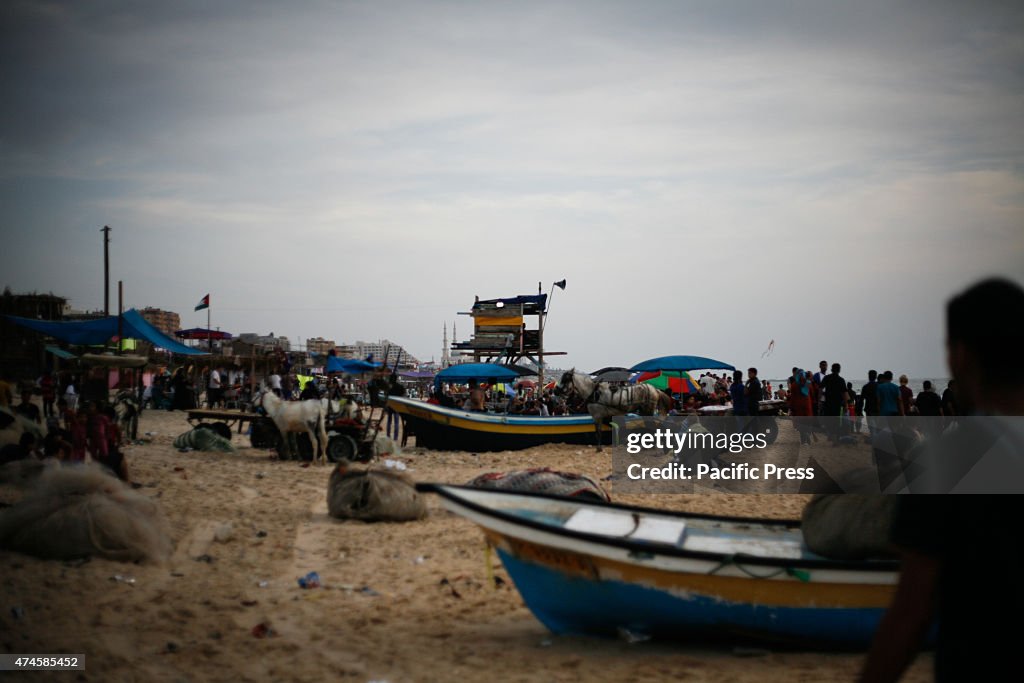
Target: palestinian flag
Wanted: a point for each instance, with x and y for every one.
(203, 303)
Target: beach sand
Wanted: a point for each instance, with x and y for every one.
(383, 613)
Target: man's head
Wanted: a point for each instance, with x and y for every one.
(872, 375)
(927, 385)
(823, 366)
(982, 336)
(836, 368)
(752, 373)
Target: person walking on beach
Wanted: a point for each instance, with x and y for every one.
(941, 538)
(889, 402)
(929, 406)
(48, 390)
(800, 403)
(739, 398)
(753, 392)
(869, 397)
(819, 394)
(906, 395)
(950, 408)
(275, 382)
(213, 389)
(834, 405)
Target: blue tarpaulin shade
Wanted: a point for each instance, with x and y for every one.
(102, 330)
(350, 366)
(683, 363)
(460, 374)
(60, 353)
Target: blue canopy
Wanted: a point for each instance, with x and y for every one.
(102, 330)
(460, 374)
(684, 363)
(350, 366)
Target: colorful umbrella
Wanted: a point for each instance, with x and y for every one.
(677, 382)
(677, 363)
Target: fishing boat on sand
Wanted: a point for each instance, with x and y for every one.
(588, 567)
(455, 429)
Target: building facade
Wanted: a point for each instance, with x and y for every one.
(319, 345)
(23, 351)
(265, 341)
(382, 350)
(167, 322)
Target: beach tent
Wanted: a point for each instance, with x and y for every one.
(683, 363)
(102, 330)
(350, 366)
(483, 372)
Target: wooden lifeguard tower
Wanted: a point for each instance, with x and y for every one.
(507, 331)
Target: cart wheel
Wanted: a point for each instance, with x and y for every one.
(218, 428)
(264, 433)
(342, 447)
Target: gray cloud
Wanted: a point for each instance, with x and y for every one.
(707, 175)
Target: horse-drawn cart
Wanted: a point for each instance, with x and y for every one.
(229, 418)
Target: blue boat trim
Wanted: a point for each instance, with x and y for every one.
(577, 605)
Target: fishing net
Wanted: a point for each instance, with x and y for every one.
(373, 496)
(75, 512)
(202, 439)
(542, 480)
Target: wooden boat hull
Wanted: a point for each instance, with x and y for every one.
(449, 429)
(576, 583)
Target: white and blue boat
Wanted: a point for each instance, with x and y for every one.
(588, 567)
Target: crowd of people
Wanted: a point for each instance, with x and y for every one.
(75, 431)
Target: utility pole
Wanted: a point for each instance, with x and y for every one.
(106, 270)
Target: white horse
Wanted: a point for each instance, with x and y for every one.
(293, 417)
(606, 400)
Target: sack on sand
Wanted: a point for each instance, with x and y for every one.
(846, 526)
(203, 440)
(542, 480)
(384, 445)
(81, 511)
(373, 496)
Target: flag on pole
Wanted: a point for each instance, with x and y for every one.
(203, 303)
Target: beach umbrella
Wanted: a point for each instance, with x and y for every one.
(612, 374)
(677, 382)
(681, 363)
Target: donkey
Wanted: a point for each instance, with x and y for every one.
(606, 400)
(293, 417)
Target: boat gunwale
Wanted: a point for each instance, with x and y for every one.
(644, 547)
(496, 418)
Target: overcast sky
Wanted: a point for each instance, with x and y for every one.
(707, 176)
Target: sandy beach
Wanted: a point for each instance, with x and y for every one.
(399, 602)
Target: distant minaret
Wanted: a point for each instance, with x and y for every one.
(445, 357)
